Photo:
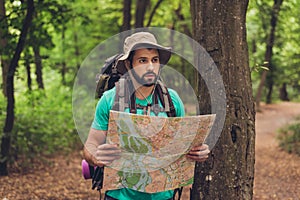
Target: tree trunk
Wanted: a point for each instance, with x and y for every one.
(140, 12)
(9, 121)
(181, 18)
(219, 26)
(270, 84)
(269, 50)
(126, 15)
(64, 65)
(3, 43)
(28, 70)
(77, 49)
(283, 94)
(39, 67)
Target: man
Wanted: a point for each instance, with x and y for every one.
(142, 59)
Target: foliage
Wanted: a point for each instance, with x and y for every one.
(285, 59)
(289, 138)
(44, 123)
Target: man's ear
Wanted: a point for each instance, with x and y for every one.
(127, 64)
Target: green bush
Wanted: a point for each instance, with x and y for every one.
(289, 138)
(44, 122)
(43, 125)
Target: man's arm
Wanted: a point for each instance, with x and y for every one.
(96, 152)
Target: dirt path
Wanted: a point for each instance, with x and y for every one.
(277, 173)
(60, 180)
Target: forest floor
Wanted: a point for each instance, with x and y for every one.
(277, 173)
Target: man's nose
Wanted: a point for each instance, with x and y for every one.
(150, 67)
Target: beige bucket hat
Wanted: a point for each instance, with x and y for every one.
(142, 40)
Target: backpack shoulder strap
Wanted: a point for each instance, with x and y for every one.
(131, 95)
(124, 91)
(121, 97)
(121, 94)
(165, 99)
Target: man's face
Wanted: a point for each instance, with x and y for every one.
(145, 63)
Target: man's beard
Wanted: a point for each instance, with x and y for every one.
(143, 80)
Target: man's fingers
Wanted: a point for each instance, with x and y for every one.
(107, 146)
(200, 148)
(197, 158)
(199, 153)
(109, 152)
(108, 158)
(103, 163)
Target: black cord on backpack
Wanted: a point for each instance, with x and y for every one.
(179, 191)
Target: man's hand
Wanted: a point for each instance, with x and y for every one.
(96, 152)
(106, 154)
(199, 153)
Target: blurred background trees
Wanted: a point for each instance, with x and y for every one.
(60, 36)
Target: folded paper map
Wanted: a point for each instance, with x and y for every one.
(153, 150)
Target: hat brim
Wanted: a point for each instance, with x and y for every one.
(164, 55)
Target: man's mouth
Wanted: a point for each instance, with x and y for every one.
(149, 75)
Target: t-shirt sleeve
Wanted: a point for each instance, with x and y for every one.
(178, 104)
(103, 107)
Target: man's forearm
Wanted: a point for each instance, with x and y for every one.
(88, 156)
(95, 138)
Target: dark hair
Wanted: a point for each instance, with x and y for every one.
(130, 57)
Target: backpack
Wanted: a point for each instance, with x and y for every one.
(110, 77)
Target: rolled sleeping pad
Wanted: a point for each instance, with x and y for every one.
(87, 170)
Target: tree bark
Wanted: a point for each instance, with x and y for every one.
(63, 64)
(181, 18)
(3, 45)
(270, 84)
(219, 26)
(39, 67)
(283, 94)
(140, 12)
(126, 15)
(28, 70)
(76, 48)
(269, 50)
(9, 121)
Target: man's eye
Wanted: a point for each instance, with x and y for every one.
(155, 60)
(142, 60)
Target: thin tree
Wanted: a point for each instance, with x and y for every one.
(3, 45)
(219, 26)
(27, 62)
(126, 15)
(153, 12)
(269, 51)
(39, 66)
(10, 117)
(141, 6)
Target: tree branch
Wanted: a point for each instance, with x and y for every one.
(153, 12)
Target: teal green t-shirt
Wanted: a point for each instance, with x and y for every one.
(100, 122)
